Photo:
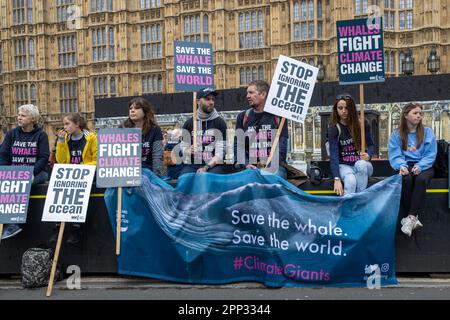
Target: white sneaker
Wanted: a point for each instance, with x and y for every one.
(418, 224)
(408, 224)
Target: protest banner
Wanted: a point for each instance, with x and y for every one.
(290, 93)
(15, 186)
(361, 55)
(254, 226)
(119, 163)
(67, 201)
(194, 70)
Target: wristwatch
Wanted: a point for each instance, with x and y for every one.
(207, 166)
(337, 179)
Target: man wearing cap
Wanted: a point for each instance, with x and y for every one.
(211, 137)
(260, 129)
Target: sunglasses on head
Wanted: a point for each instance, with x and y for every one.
(344, 97)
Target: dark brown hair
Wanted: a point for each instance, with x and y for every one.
(420, 131)
(149, 115)
(352, 120)
(77, 119)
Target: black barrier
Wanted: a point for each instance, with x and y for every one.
(381, 168)
(395, 89)
(427, 251)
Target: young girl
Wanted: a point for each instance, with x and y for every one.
(141, 115)
(26, 145)
(348, 162)
(412, 151)
(75, 145)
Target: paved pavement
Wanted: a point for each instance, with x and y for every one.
(112, 288)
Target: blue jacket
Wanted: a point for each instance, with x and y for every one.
(423, 157)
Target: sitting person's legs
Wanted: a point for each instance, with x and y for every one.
(348, 178)
(363, 170)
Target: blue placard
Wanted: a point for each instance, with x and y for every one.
(194, 68)
(360, 51)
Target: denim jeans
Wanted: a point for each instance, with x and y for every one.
(355, 177)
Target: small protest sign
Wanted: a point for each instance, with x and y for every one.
(291, 89)
(119, 158)
(15, 186)
(360, 51)
(194, 68)
(68, 193)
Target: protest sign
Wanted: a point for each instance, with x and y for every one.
(291, 89)
(360, 51)
(194, 68)
(119, 163)
(68, 193)
(253, 226)
(67, 200)
(119, 158)
(15, 186)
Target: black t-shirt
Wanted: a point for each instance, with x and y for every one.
(76, 148)
(207, 137)
(264, 125)
(153, 135)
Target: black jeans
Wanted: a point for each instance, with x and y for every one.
(414, 189)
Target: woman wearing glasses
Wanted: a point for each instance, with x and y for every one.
(349, 164)
(412, 151)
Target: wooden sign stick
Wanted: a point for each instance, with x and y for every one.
(55, 259)
(119, 220)
(363, 129)
(275, 143)
(194, 125)
(1, 232)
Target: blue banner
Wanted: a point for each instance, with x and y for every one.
(255, 226)
(360, 51)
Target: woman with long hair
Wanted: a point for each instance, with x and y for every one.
(412, 151)
(349, 164)
(141, 115)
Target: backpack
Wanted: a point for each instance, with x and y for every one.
(247, 113)
(441, 162)
(36, 268)
(314, 173)
(327, 143)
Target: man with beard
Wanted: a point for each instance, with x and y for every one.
(211, 130)
(260, 129)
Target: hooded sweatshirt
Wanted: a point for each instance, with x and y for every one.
(25, 149)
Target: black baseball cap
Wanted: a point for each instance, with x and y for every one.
(205, 92)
